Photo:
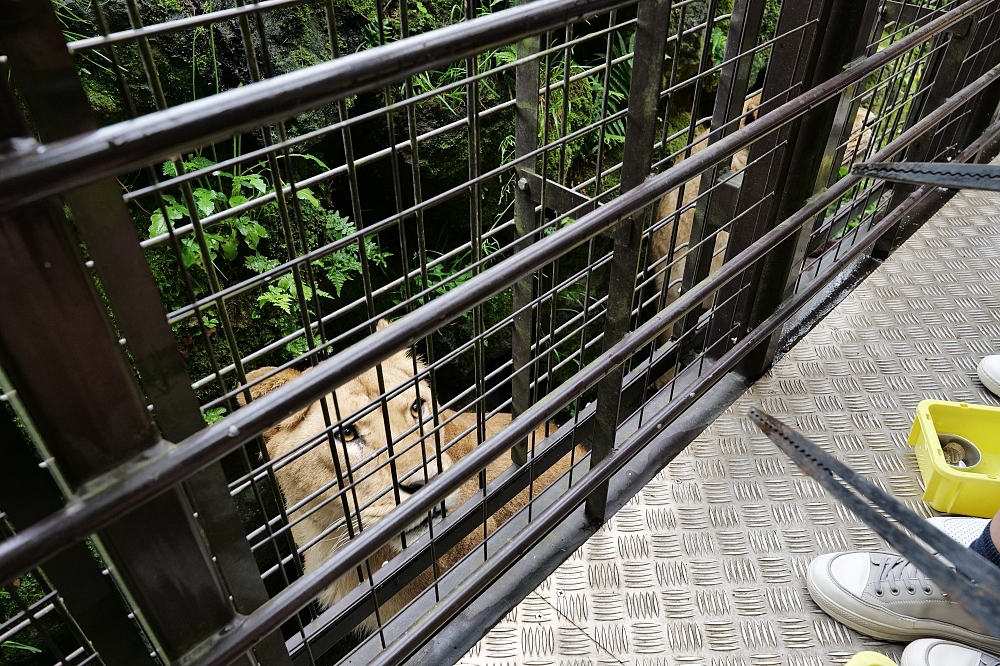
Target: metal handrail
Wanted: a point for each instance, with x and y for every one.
(124, 489)
(132, 144)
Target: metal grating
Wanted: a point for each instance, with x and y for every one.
(706, 565)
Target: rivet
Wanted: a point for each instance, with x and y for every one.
(233, 431)
(522, 184)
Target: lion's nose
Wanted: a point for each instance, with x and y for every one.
(414, 483)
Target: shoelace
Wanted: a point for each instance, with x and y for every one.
(893, 570)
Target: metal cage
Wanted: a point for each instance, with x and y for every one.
(216, 452)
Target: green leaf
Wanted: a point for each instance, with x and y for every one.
(169, 169)
(315, 159)
(260, 264)
(297, 347)
(237, 200)
(196, 162)
(231, 246)
(214, 415)
(306, 194)
(252, 232)
(205, 200)
(14, 645)
(277, 297)
(257, 183)
(157, 226)
(189, 252)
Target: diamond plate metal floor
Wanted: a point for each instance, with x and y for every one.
(707, 564)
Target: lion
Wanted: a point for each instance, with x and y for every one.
(307, 473)
(661, 238)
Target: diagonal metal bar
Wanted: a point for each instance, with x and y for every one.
(973, 582)
(937, 174)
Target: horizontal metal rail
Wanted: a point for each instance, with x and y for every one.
(133, 144)
(124, 489)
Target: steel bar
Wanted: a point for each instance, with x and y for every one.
(89, 432)
(938, 174)
(652, 24)
(170, 132)
(938, 81)
(802, 163)
(55, 97)
(974, 582)
(157, 136)
(525, 143)
(734, 81)
(27, 494)
(790, 66)
(116, 495)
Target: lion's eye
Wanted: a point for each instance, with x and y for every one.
(416, 408)
(348, 433)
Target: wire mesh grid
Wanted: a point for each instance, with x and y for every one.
(276, 248)
(39, 626)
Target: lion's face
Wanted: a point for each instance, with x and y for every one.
(307, 471)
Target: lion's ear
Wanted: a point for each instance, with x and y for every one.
(382, 323)
(267, 384)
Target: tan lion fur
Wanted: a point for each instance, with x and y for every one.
(302, 476)
(660, 239)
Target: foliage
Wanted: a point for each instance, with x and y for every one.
(253, 242)
(14, 645)
(29, 641)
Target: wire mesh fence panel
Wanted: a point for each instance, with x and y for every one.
(454, 257)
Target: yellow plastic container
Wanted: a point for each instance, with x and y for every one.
(868, 658)
(974, 491)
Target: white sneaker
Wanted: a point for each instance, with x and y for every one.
(989, 373)
(962, 529)
(885, 596)
(936, 652)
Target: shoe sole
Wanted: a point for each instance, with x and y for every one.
(988, 382)
(896, 633)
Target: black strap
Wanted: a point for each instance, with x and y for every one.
(974, 582)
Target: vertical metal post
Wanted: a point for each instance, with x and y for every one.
(28, 494)
(640, 133)
(807, 56)
(525, 142)
(734, 80)
(872, 23)
(830, 52)
(804, 164)
(74, 386)
(54, 95)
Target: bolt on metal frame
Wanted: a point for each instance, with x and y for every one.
(190, 521)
